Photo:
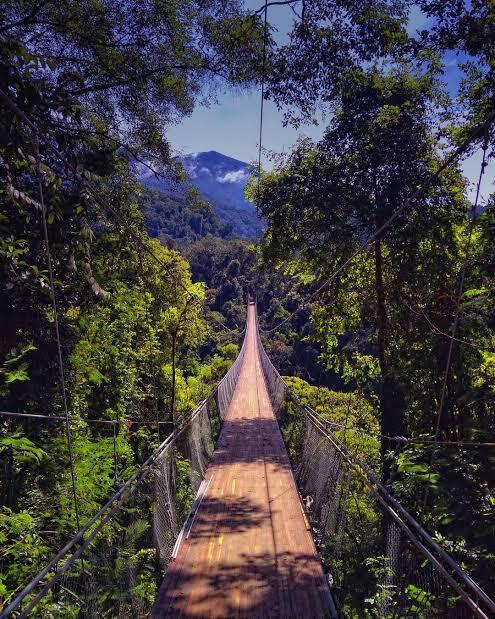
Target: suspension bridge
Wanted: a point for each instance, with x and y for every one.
(266, 536)
(248, 550)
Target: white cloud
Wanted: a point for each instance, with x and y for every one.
(205, 171)
(190, 169)
(239, 176)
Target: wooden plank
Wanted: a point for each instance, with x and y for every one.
(249, 552)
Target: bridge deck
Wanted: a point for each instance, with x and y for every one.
(250, 553)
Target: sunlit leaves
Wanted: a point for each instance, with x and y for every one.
(23, 449)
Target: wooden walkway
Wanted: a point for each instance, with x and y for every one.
(250, 552)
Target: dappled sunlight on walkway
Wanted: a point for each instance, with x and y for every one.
(249, 552)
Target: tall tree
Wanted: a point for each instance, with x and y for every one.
(86, 88)
(328, 199)
(83, 86)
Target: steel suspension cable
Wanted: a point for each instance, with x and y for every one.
(79, 542)
(57, 334)
(415, 532)
(412, 528)
(408, 523)
(435, 329)
(395, 439)
(33, 416)
(262, 102)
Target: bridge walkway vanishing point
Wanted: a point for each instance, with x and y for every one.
(250, 552)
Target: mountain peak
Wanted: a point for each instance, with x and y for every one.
(221, 180)
(216, 164)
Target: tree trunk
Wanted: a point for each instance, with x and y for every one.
(172, 399)
(391, 398)
(381, 310)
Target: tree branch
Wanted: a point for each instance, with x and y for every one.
(25, 20)
(275, 2)
(119, 143)
(141, 77)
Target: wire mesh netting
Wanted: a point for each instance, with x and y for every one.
(380, 562)
(374, 568)
(276, 387)
(226, 386)
(115, 564)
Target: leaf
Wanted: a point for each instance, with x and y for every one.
(16, 354)
(19, 374)
(474, 292)
(406, 466)
(135, 530)
(25, 449)
(95, 376)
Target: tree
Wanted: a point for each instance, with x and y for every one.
(183, 325)
(87, 89)
(330, 39)
(327, 199)
(125, 70)
(466, 32)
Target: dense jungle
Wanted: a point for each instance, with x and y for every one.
(122, 307)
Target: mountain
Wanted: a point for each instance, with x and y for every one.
(220, 180)
(170, 218)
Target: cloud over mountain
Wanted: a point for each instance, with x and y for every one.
(221, 180)
(240, 176)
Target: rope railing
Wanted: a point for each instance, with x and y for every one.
(114, 564)
(380, 561)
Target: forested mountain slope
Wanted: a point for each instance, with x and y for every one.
(220, 180)
(176, 219)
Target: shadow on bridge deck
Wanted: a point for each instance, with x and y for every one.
(249, 552)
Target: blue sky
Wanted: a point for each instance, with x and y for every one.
(231, 125)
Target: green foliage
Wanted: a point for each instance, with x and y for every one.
(333, 39)
(135, 342)
(100, 82)
(350, 410)
(23, 449)
(383, 323)
(185, 485)
(416, 471)
(177, 220)
(23, 551)
(14, 368)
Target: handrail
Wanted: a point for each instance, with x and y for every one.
(110, 507)
(385, 497)
(391, 505)
(79, 536)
